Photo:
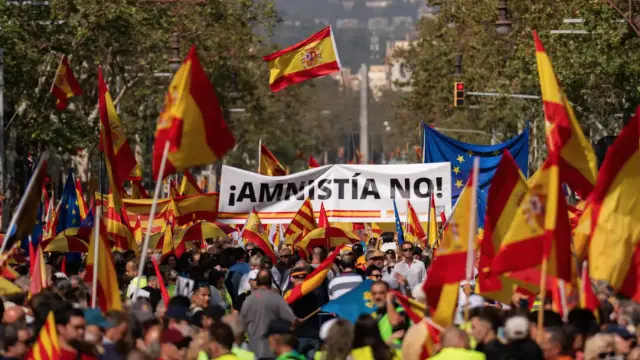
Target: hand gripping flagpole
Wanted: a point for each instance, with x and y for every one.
(147, 236)
(96, 257)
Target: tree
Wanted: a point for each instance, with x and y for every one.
(596, 69)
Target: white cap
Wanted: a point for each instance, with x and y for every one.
(326, 326)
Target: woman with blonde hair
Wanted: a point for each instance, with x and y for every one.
(600, 346)
(338, 340)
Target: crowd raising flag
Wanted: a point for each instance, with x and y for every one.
(108, 293)
(113, 142)
(314, 57)
(65, 85)
(577, 158)
(615, 237)
(191, 121)
(268, 164)
(314, 279)
(47, 346)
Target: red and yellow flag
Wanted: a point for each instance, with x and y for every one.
(614, 249)
(39, 277)
(107, 290)
(189, 185)
(304, 220)
(414, 309)
(588, 299)
(113, 142)
(578, 167)
(82, 205)
(47, 345)
(269, 165)
(327, 237)
(313, 280)
(376, 231)
(502, 202)
(173, 190)
(414, 230)
(65, 85)
(432, 231)
(313, 163)
(323, 220)
(167, 241)
(191, 121)
(138, 191)
(314, 57)
(254, 232)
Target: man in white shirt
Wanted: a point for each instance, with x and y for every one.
(409, 272)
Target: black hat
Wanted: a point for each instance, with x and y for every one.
(278, 327)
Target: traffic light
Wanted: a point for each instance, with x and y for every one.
(458, 94)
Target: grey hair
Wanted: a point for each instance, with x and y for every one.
(255, 260)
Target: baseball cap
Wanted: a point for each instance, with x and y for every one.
(178, 313)
(388, 246)
(175, 337)
(94, 317)
(278, 327)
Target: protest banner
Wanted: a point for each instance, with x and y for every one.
(350, 193)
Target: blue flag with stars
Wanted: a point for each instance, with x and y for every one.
(69, 215)
(398, 224)
(351, 305)
(438, 147)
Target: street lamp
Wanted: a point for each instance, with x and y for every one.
(503, 25)
(174, 60)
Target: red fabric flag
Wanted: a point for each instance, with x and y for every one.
(163, 289)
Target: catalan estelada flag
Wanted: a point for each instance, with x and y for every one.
(113, 142)
(189, 185)
(614, 249)
(313, 163)
(47, 346)
(414, 232)
(314, 57)
(304, 220)
(313, 280)
(578, 167)
(269, 165)
(191, 121)
(65, 85)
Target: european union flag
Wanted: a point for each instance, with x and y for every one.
(69, 215)
(352, 304)
(398, 224)
(441, 148)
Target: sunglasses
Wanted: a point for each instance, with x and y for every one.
(285, 256)
(607, 355)
(407, 249)
(377, 258)
(376, 276)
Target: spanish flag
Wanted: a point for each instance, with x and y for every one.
(107, 290)
(113, 142)
(39, 276)
(313, 280)
(502, 202)
(269, 165)
(313, 163)
(414, 231)
(189, 185)
(539, 228)
(432, 231)
(614, 249)
(577, 162)
(191, 121)
(323, 220)
(65, 85)
(47, 346)
(304, 220)
(588, 299)
(314, 57)
(253, 232)
(82, 205)
(327, 237)
(138, 191)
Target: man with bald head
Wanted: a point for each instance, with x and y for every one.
(455, 345)
(13, 314)
(261, 308)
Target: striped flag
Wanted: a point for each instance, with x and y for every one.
(108, 292)
(588, 299)
(415, 231)
(189, 185)
(65, 85)
(304, 220)
(577, 161)
(47, 346)
(82, 205)
(254, 232)
(39, 277)
(313, 280)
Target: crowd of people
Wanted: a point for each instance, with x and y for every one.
(236, 310)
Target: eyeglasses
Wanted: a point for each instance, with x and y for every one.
(376, 276)
(607, 355)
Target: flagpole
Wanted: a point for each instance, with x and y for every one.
(428, 241)
(259, 154)
(473, 218)
(21, 205)
(543, 293)
(154, 204)
(96, 257)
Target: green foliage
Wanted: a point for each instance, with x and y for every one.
(597, 70)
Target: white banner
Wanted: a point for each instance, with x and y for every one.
(350, 193)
